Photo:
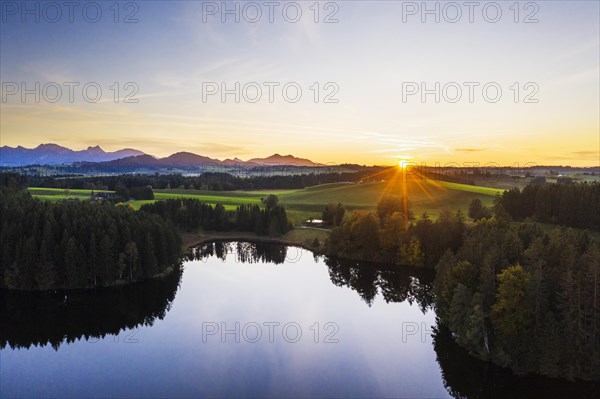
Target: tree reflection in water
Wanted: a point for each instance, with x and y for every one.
(394, 283)
(245, 252)
(464, 376)
(38, 319)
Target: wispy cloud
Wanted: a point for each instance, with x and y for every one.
(586, 153)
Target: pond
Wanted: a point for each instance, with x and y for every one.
(249, 320)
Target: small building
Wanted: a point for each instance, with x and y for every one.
(102, 196)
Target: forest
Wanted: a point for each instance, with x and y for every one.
(392, 235)
(568, 204)
(524, 298)
(79, 244)
(87, 244)
(191, 214)
(519, 295)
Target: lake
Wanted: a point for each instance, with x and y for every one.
(249, 320)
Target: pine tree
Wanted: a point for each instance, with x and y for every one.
(93, 260)
(131, 259)
(148, 258)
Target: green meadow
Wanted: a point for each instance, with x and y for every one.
(425, 196)
(430, 197)
(57, 194)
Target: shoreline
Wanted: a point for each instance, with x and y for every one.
(193, 240)
(295, 237)
(117, 284)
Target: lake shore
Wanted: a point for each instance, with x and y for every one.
(300, 237)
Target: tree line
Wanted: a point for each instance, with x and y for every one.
(191, 214)
(123, 193)
(392, 235)
(570, 204)
(79, 244)
(212, 181)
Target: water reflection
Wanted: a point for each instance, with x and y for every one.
(59, 318)
(245, 252)
(467, 377)
(395, 284)
(463, 375)
(171, 359)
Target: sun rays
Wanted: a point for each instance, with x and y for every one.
(408, 181)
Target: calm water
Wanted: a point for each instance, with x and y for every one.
(248, 320)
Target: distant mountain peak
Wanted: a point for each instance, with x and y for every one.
(53, 154)
(182, 154)
(277, 159)
(49, 146)
(95, 150)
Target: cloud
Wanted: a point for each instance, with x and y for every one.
(576, 156)
(469, 149)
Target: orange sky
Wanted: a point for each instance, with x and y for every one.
(366, 63)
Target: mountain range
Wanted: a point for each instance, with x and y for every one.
(53, 154)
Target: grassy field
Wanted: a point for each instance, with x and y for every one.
(472, 189)
(430, 197)
(306, 236)
(425, 196)
(57, 194)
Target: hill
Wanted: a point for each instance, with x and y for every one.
(424, 195)
(277, 160)
(187, 159)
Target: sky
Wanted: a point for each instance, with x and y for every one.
(344, 81)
